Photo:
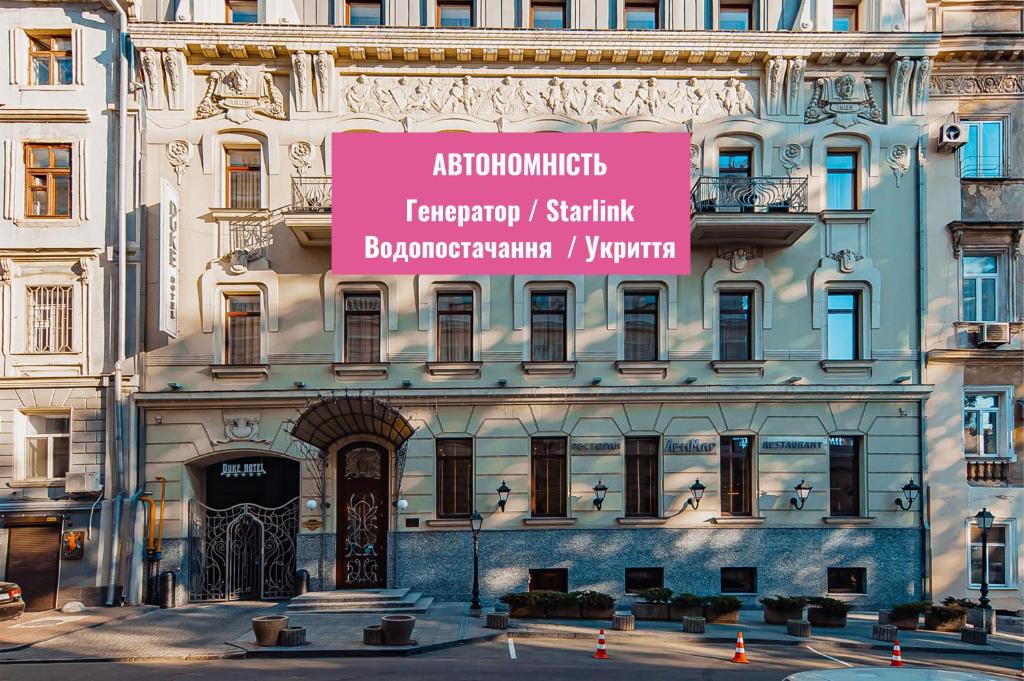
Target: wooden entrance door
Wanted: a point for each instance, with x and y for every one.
(33, 563)
(363, 528)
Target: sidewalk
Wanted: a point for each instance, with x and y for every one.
(35, 627)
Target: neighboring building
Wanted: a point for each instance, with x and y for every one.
(58, 287)
(790, 354)
(975, 350)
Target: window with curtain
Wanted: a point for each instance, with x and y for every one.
(983, 154)
(547, 15)
(843, 332)
(242, 330)
(48, 180)
(548, 326)
(981, 424)
(735, 326)
(455, 326)
(454, 477)
(841, 182)
(549, 475)
(737, 475)
(844, 476)
(362, 327)
(243, 178)
(50, 318)
(640, 325)
(642, 486)
(49, 59)
(998, 565)
(980, 288)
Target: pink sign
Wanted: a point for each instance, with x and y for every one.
(511, 203)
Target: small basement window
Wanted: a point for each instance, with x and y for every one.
(638, 579)
(847, 580)
(551, 579)
(739, 580)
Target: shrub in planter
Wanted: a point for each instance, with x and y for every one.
(523, 604)
(594, 605)
(827, 612)
(781, 609)
(654, 605)
(965, 603)
(905, 615)
(722, 609)
(558, 605)
(945, 618)
(685, 605)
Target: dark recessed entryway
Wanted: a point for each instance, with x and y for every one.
(270, 482)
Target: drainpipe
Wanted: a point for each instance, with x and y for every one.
(122, 271)
(922, 330)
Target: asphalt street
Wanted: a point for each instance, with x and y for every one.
(535, 659)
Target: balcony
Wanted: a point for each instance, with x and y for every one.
(988, 193)
(988, 472)
(767, 211)
(309, 213)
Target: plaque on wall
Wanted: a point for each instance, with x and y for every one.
(792, 445)
(690, 445)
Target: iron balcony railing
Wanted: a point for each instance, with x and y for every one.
(250, 236)
(749, 195)
(311, 194)
(981, 167)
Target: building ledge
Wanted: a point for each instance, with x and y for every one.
(855, 367)
(993, 357)
(361, 371)
(654, 369)
(311, 230)
(641, 522)
(450, 523)
(17, 114)
(851, 521)
(567, 369)
(454, 369)
(229, 214)
(739, 520)
(748, 368)
(251, 371)
(846, 217)
(29, 484)
(761, 229)
(549, 522)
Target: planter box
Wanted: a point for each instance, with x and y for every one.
(935, 622)
(676, 613)
(906, 624)
(565, 611)
(530, 612)
(650, 611)
(780, 615)
(819, 618)
(594, 612)
(267, 628)
(722, 617)
(884, 616)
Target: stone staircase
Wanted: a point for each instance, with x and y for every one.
(365, 601)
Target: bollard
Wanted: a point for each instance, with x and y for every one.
(165, 589)
(976, 636)
(301, 582)
(497, 620)
(799, 628)
(623, 622)
(694, 625)
(884, 632)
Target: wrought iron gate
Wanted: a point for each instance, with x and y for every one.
(244, 551)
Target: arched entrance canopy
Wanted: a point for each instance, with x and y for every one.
(334, 417)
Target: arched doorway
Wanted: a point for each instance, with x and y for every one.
(364, 518)
(242, 538)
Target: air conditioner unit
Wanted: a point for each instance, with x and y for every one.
(952, 137)
(992, 335)
(83, 483)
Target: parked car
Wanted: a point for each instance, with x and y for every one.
(889, 674)
(11, 604)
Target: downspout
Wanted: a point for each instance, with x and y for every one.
(122, 272)
(922, 330)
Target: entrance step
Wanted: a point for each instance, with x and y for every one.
(370, 601)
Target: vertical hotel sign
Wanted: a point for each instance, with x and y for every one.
(168, 249)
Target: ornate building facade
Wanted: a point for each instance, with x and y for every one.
(650, 430)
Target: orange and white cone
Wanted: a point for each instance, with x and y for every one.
(602, 652)
(740, 656)
(897, 656)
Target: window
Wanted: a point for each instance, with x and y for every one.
(455, 14)
(734, 193)
(640, 317)
(547, 15)
(455, 326)
(243, 178)
(844, 18)
(48, 180)
(363, 14)
(362, 327)
(982, 156)
(641, 15)
(735, 18)
(739, 580)
(844, 476)
(641, 476)
(50, 318)
(737, 474)
(846, 580)
(638, 579)
(981, 281)
(981, 424)
(553, 579)
(733, 163)
(841, 186)
(243, 11)
(843, 325)
(998, 565)
(242, 330)
(454, 478)
(735, 326)
(548, 474)
(548, 326)
(49, 59)
(47, 446)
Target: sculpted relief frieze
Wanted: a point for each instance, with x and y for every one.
(585, 100)
(241, 93)
(846, 100)
(973, 84)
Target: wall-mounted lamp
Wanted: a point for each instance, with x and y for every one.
(402, 504)
(803, 490)
(406, 383)
(502, 382)
(311, 504)
(910, 492)
(503, 492)
(902, 379)
(600, 490)
(696, 494)
(794, 379)
(299, 384)
(595, 380)
(174, 386)
(690, 379)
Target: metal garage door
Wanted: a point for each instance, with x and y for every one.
(33, 563)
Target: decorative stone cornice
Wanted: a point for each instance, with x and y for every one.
(17, 114)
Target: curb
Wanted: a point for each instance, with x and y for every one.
(22, 646)
(368, 652)
(130, 658)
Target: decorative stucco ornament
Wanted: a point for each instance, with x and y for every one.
(972, 84)
(695, 160)
(301, 156)
(301, 77)
(899, 86)
(242, 428)
(791, 155)
(775, 71)
(846, 100)
(795, 85)
(922, 81)
(847, 260)
(240, 94)
(179, 155)
(173, 66)
(739, 259)
(323, 68)
(152, 76)
(899, 161)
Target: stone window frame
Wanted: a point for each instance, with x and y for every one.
(523, 286)
(864, 316)
(761, 314)
(20, 435)
(224, 291)
(16, 192)
(1004, 162)
(864, 499)
(333, 289)
(868, 150)
(20, 313)
(18, 49)
(214, 160)
(1010, 557)
(1004, 275)
(1005, 422)
(215, 282)
(668, 307)
(426, 293)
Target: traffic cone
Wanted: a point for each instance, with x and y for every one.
(897, 656)
(601, 653)
(741, 655)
